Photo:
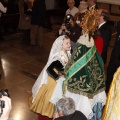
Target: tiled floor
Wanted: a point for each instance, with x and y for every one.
(21, 65)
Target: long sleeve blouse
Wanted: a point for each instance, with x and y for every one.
(51, 69)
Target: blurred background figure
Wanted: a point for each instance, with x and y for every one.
(37, 20)
(3, 6)
(72, 9)
(32, 1)
(105, 32)
(92, 4)
(3, 9)
(50, 4)
(66, 110)
(25, 7)
(82, 8)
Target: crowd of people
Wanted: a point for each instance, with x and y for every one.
(73, 85)
(82, 77)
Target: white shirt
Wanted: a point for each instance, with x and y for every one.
(2, 9)
(101, 24)
(72, 11)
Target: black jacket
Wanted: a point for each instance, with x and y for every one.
(106, 35)
(55, 65)
(114, 62)
(75, 33)
(77, 115)
(38, 12)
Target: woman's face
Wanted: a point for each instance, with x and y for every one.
(66, 44)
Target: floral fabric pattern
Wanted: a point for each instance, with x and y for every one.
(85, 71)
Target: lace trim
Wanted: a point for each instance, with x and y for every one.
(64, 58)
(84, 40)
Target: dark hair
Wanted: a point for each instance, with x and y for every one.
(97, 34)
(68, 25)
(66, 37)
(68, 17)
(95, 1)
(105, 15)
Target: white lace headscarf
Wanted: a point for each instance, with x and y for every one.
(83, 6)
(55, 54)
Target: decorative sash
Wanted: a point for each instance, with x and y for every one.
(84, 71)
(81, 63)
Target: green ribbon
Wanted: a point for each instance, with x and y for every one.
(81, 63)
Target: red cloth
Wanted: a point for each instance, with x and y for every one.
(99, 44)
(40, 117)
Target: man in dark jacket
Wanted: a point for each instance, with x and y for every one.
(37, 18)
(65, 110)
(105, 33)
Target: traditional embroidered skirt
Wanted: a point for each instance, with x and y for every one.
(41, 103)
(91, 108)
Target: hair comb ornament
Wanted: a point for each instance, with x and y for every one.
(89, 21)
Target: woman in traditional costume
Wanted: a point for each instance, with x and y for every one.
(45, 84)
(85, 77)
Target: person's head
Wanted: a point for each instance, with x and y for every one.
(6, 1)
(71, 3)
(83, 6)
(58, 45)
(103, 16)
(66, 106)
(66, 46)
(91, 2)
